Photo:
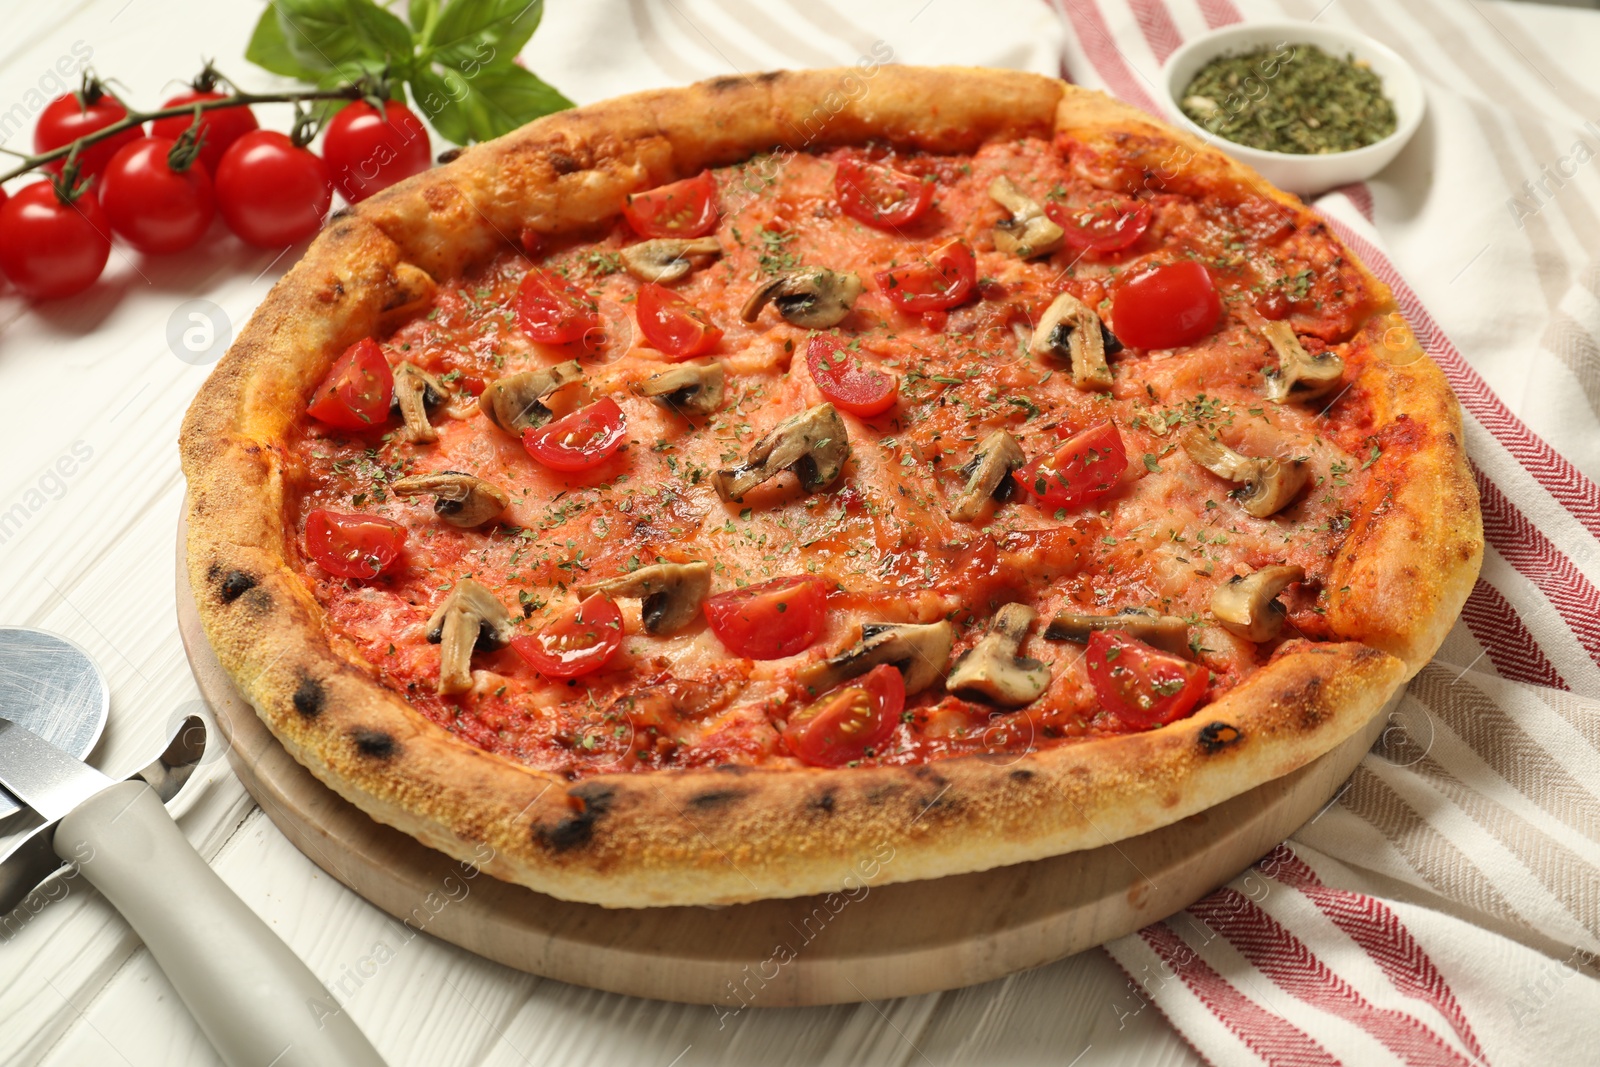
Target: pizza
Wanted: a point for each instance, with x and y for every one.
(752, 489)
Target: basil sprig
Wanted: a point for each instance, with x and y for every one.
(455, 56)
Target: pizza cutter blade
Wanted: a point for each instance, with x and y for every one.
(52, 686)
(252, 996)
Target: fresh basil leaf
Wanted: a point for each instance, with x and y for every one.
(269, 50)
(439, 100)
(323, 34)
(492, 102)
(422, 12)
(473, 34)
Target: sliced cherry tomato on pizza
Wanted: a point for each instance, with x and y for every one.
(358, 391)
(682, 209)
(1141, 685)
(842, 377)
(580, 642)
(1104, 225)
(1272, 304)
(586, 438)
(771, 620)
(1171, 305)
(879, 195)
(353, 546)
(673, 325)
(1085, 466)
(942, 279)
(552, 310)
(849, 723)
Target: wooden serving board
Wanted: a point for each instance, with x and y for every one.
(889, 941)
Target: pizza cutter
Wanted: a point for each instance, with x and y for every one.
(52, 687)
(255, 1000)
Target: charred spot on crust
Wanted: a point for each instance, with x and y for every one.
(716, 798)
(722, 85)
(343, 213)
(1020, 775)
(375, 743)
(823, 802)
(1216, 736)
(309, 696)
(562, 163)
(880, 795)
(591, 802)
(235, 584)
(733, 768)
(450, 155)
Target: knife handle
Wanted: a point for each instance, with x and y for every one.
(256, 1001)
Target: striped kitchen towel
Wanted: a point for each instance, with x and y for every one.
(1445, 907)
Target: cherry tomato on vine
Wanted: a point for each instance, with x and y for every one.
(586, 438)
(580, 642)
(1106, 225)
(842, 377)
(358, 391)
(270, 191)
(67, 118)
(1167, 306)
(771, 620)
(50, 248)
(849, 723)
(682, 209)
(1086, 466)
(219, 127)
(368, 151)
(672, 324)
(153, 206)
(353, 546)
(1141, 685)
(552, 310)
(879, 195)
(942, 279)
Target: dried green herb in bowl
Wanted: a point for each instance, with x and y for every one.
(1291, 98)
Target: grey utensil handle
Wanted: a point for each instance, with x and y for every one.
(253, 997)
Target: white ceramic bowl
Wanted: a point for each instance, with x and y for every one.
(1303, 174)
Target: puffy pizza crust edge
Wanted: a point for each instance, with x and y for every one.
(737, 834)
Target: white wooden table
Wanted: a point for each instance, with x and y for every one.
(86, 549)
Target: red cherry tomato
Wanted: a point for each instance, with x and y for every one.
(1140, 685)
(1168, 306)
(270, 191)
(67, 118)
(880, 196)
(368, 151)
(552, 310)
(849, 723)
(49, 249)
(578, 441)
(771, 620)
(219, 127)
(1085, 467)
(353, 546)
(154, 208)
(1272, 304)
(843, 378)
(943, 279)
(673, 325)
(358, 391)
(682, 209)
(1105, 225)
(579, 642)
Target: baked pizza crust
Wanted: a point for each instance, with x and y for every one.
(739, 833)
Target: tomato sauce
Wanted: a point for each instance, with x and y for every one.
(880, 538)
